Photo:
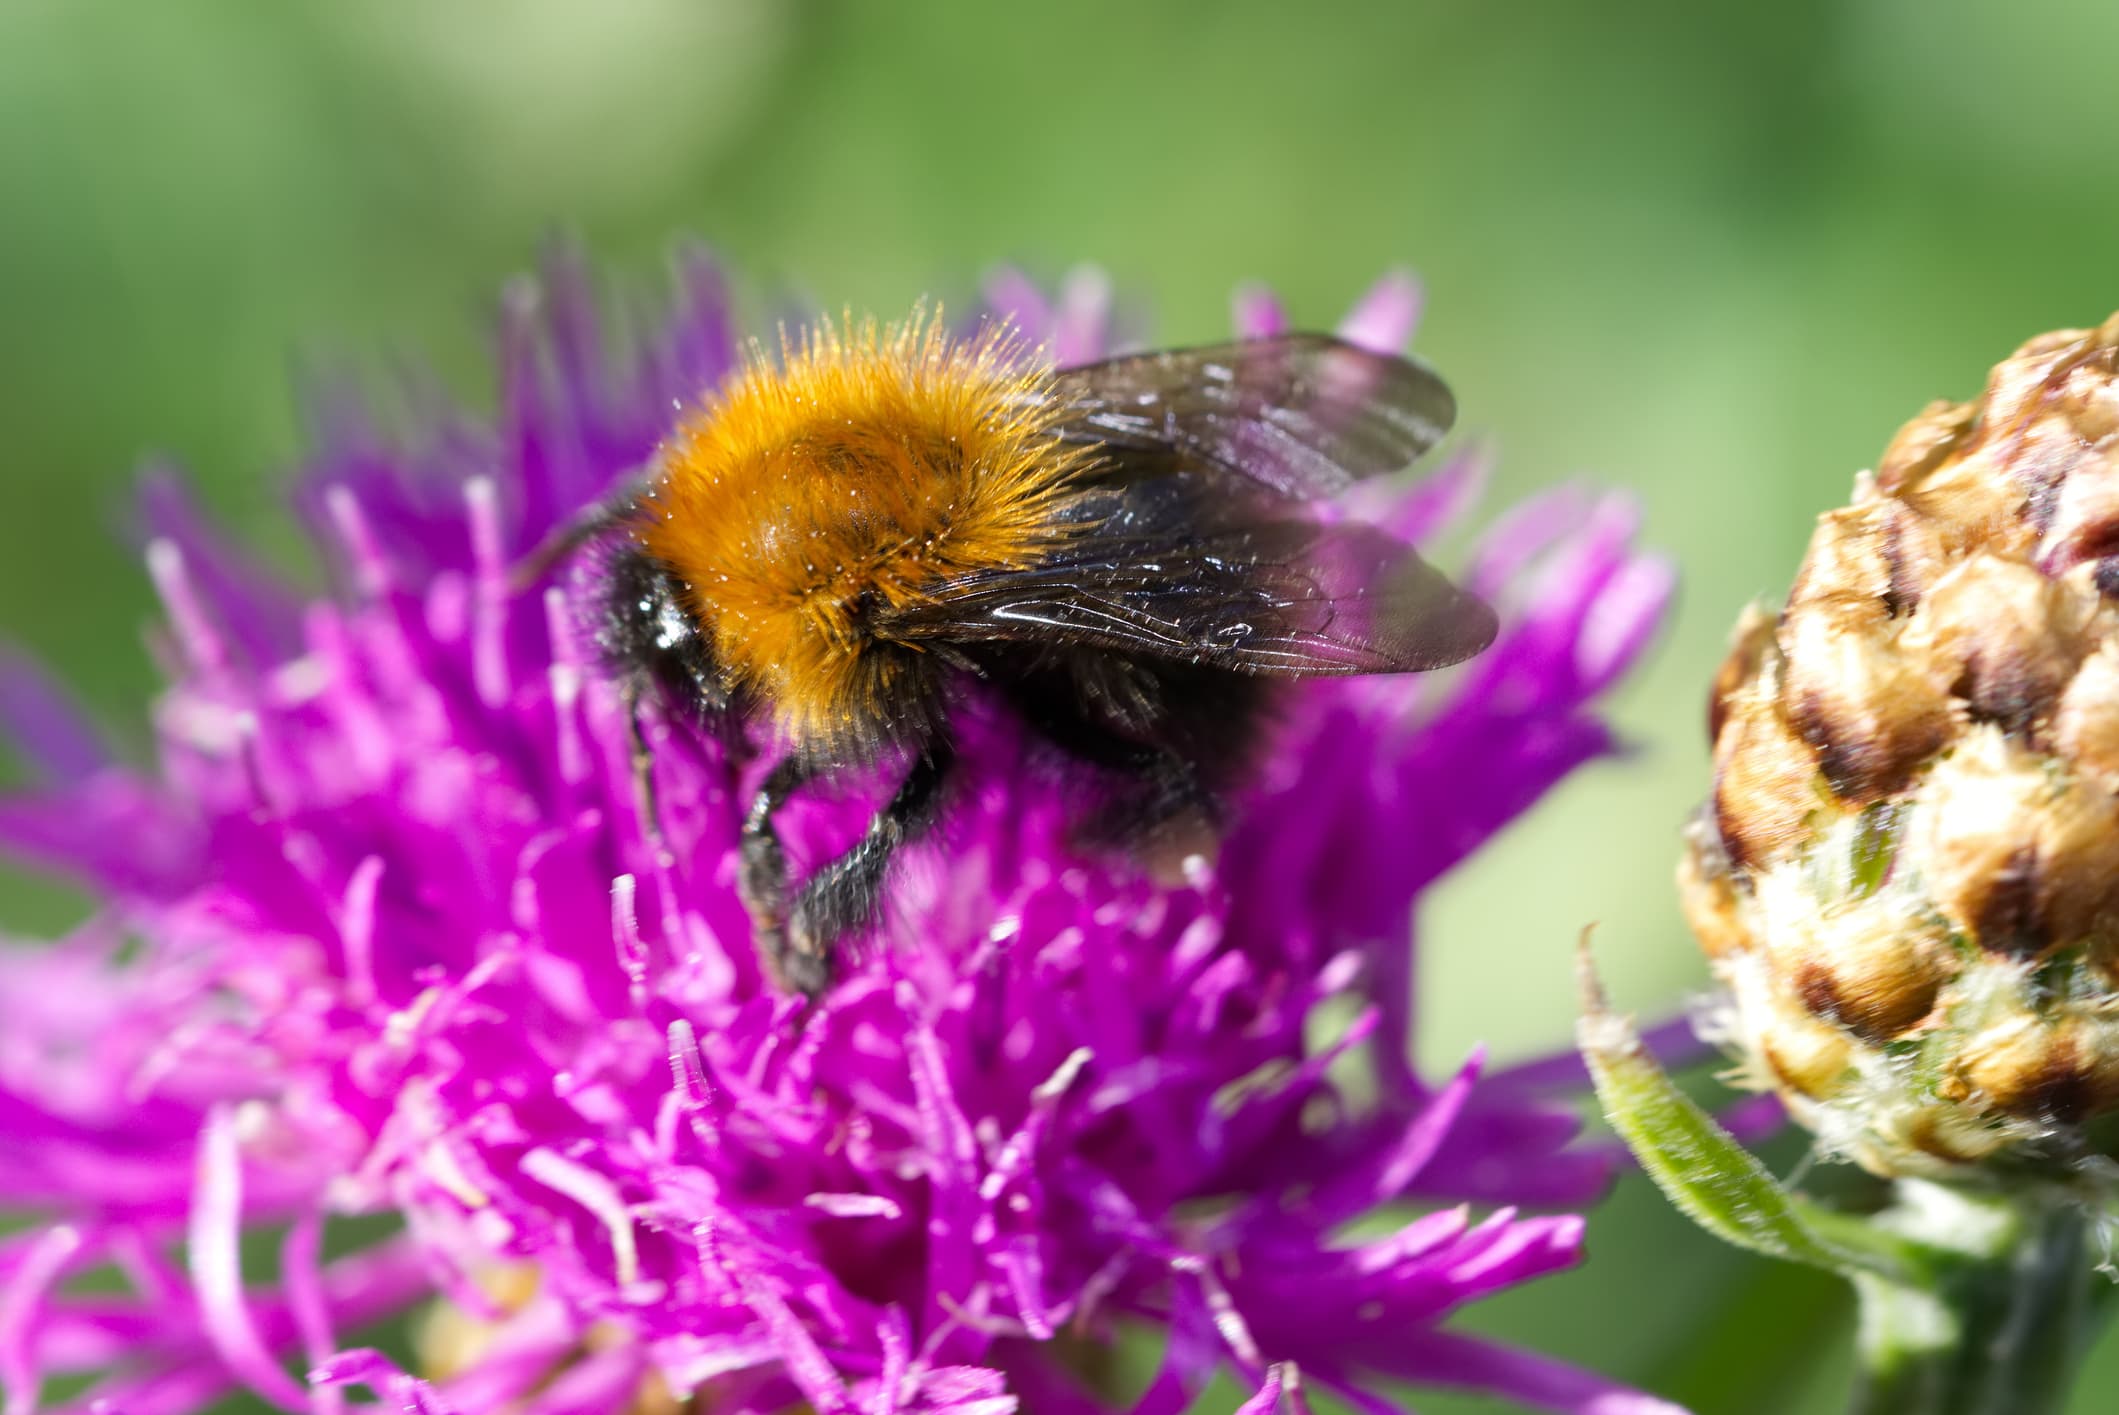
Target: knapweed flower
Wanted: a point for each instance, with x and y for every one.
(1908, 879)
(384, 935)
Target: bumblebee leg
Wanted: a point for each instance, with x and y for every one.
(841, 897)
(643, 763)
(762, 878)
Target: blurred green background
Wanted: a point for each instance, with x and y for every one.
(1711, 254)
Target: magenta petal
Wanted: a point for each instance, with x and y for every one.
(1015, 298)
(1447, 1358)
(1385, 317)
(381, 1375)
(256, 606)
(27, 1282)
(1257, 313)
(46, 728)
(1081, 320)
(216, 1266)
(1267, 1398)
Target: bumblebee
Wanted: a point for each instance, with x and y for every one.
(840, 539)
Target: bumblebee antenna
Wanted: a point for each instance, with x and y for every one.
(585, 525)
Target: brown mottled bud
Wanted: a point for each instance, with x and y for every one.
(1923, 443)
(1874, 559)
(1781, 1046)
(2008, 637)
(1911, 890)
(2021, 861)
(1970, 505)
(2085, 727)
(1874, 964)
(1848, 563)
(2082, 521)
(1917, 553)
(2032, 1067)
(1872, 714)
(1811, 1057)
(1938, 1138)
(1766, 782)
(1707, 893)
(1749, 645)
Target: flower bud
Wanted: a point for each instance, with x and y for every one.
(1910, 887)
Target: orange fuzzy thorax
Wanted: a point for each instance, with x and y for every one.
(866, 467)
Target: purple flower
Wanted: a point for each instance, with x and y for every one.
(382, 935)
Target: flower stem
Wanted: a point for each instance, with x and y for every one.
(2001, 1320)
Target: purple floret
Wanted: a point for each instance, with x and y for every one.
(382, 933)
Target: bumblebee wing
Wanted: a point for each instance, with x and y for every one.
(1303, 415)
(1281, 596)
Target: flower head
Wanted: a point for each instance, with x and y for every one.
(384, 934)
(1909, 876)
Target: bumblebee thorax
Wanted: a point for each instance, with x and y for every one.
(855, 474)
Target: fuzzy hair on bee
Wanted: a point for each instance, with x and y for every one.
(806, 501)
(833, 546)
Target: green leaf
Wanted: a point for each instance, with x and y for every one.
(1701, 1168)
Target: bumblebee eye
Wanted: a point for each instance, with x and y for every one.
(649, 632)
